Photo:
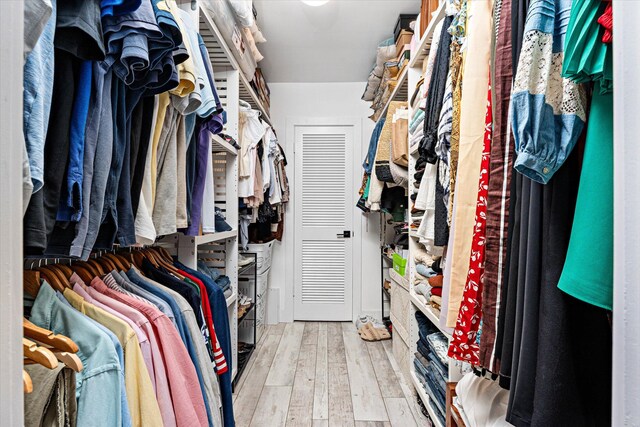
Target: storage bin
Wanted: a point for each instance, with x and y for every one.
(399, 264)
(403, 39)
(263, 252)
(403, 24)
(261, 287)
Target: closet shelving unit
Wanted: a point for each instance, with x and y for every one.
(248, 322)
(220, 250)
(456, 369)
(386, 263)
(399, 93)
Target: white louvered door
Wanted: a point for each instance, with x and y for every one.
(323, 260)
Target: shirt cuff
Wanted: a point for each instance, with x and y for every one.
(534, 168)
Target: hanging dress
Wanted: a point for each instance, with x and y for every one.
(464, 344)
(594, 214)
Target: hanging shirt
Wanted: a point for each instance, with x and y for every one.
(211, 386)
(38, 90)
(144, 410)
(79, 287)
(188, 402)
(97, 385)
(163, 394)
(218, 356)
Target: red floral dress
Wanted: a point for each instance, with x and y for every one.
(464, 345)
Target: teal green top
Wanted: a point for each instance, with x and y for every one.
(588, 268)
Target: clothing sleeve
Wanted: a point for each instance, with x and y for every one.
(183, 378)
(548, 112)
(93, 408)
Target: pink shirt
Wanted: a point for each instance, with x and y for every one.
(163, 393)
(145, 347)
(188, 403)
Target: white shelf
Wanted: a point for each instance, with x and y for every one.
(220, 145)
(425, 398)
(398, 279)
(414, 234)
(249, 95)
(399, 93)
(427, 311)
(215, 237)
(221, 56)
(422, 50)
(232, 299)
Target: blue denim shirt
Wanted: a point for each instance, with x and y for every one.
(126, 415)
(70, 208)
(547, 111)
(98, 384)
(373, 147)
(38, 90)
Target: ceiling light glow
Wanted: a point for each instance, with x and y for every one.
(315, 3)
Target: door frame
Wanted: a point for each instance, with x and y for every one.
(290, 236)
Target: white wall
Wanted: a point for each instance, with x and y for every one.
(325, 100)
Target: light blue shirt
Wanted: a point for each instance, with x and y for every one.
(98, 384)
(38, 90)
(126, 415)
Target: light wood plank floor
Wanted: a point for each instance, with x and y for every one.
(312, 374)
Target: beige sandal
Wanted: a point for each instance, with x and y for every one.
(367, 333)
(383, 333)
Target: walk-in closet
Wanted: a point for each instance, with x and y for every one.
(319, 213)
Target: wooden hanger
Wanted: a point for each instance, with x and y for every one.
(38, 354)
(84, 274)
(121, 264)
(107, 265)
(51, 278)
(27, 384)
(89, 267)
(136, 258)
(97, 267)
(148, 253)
(60, 273)
(69, 359)
(47, 337)
(167, 263)
(31, 282)
(65, 270)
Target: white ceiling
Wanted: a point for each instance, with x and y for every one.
(335, 42)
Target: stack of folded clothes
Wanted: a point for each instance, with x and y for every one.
(428, 280)
(431, 364)
(222, 281)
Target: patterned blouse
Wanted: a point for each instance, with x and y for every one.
(548, 111)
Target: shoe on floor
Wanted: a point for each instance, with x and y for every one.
(362, 320)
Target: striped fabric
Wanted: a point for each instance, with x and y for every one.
(110, 281)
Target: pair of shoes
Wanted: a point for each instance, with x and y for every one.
(244, 300)
(362, 320)
(370, 333)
